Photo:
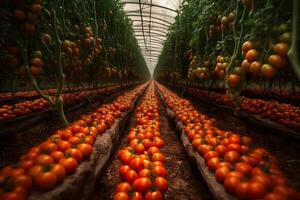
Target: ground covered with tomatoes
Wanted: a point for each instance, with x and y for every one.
(184, 179)
(13, 146)
(287, 150)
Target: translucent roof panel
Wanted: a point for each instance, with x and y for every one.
(151, 20)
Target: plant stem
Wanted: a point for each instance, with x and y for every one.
(31, 78)
(60, 108)
(61, 76)
(293, 52)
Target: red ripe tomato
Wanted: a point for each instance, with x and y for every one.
(45, 180)
(196, 142)
(212, 163)
(223, 164)
(20, 190)
(47, 147)
(153, 150)
(59, 172)
(75, 128)
(86, 150)
(204, 148)
(11, 196)
(137, 164)
(26, 164)
(145, 173)
(231, 157)
(235, 138)
(23, 180)
(43, 160)
(246, 140)
(233, 80)
(281, 49)
(243, 167)
(136, 196)
(231, 182)
(123, 187)
(153, 195)
(139, 148)
(131, 176)
(66, 134)
(63, 145)
(159, 171)
(241, 190)
(57, 155)
(276, 61)
(134, 142)
(210, 154)
(147, 143)
(88, 140)
(75, 153)
(6, 171)
(123, 171)
(252, 55)
(70, 164)
(235, 147)
(158, 142)
(220, 149)
(274, 196)
(161, 184)
(74, 140)
(36, 169)
(158, 157)
(256, 190)
(247, 46)
(125, 157)
(221, 173)
(265, 179)
(142, 184)
(121, 196)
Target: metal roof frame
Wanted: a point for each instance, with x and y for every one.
(149, 4)
(151, 23)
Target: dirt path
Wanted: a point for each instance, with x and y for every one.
(185, 181)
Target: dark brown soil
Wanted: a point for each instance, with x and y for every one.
(185, 181)
(13, 146)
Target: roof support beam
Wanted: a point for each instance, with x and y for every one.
(152, 39)
(148, 4)
(136, 20)
(157, 34)
(132, 15)
(141, 14)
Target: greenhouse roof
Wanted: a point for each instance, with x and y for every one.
(151, 20)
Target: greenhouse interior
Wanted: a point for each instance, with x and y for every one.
(149, 99)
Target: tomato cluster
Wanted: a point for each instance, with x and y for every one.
(8, 112)
(221, 66)
(142, 172)
(44, 166)
(28, 16)
(281, 113)
(222, 23)
(245, 171)
(275, 61)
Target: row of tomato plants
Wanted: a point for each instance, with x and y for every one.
(142, 173)
(246, 172)
(47, 164)
(282, 113)
(8, 112)
(34, 93)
